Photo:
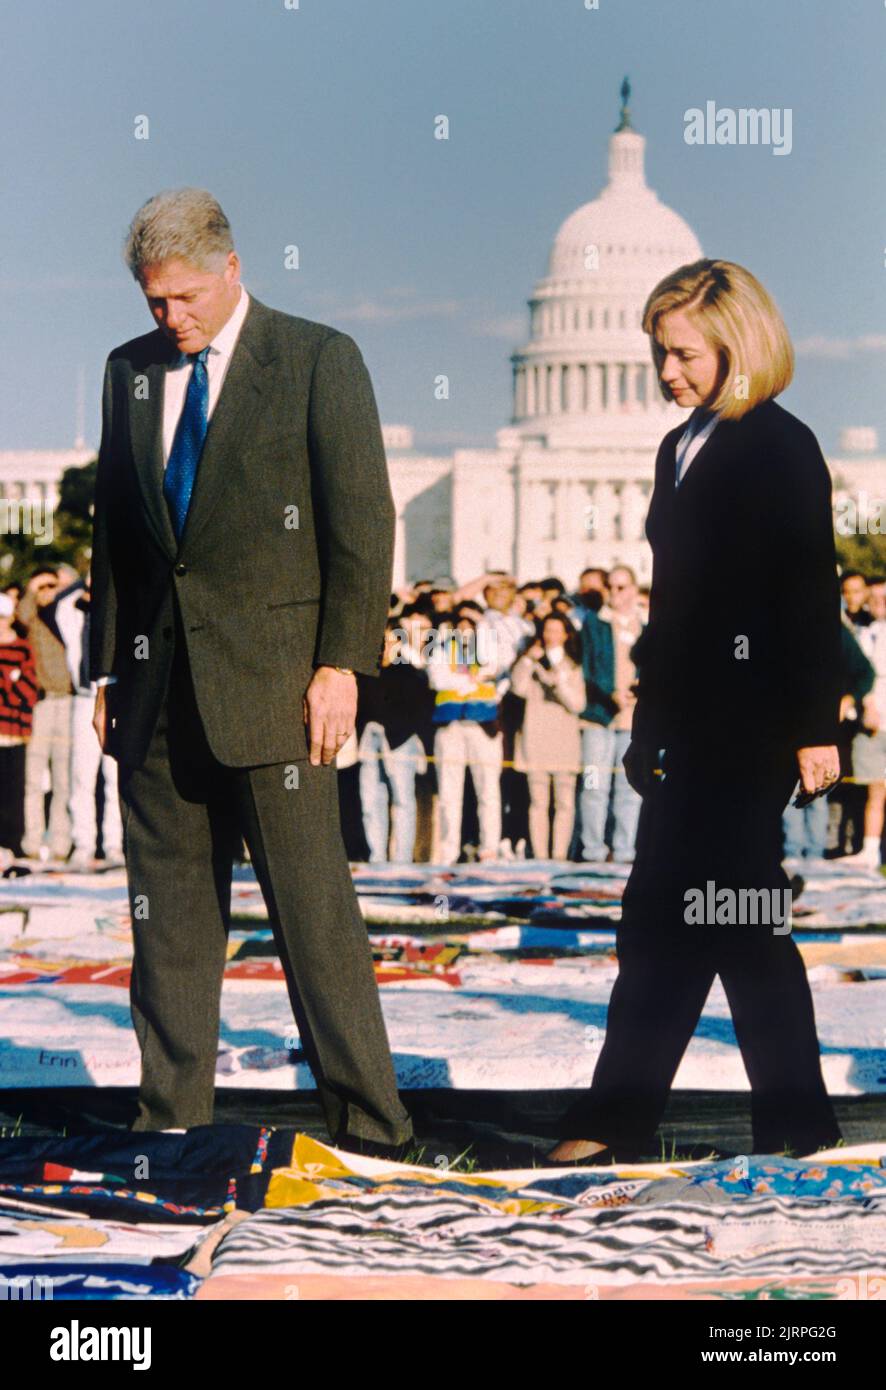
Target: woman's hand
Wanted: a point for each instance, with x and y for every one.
(847, 708)
(639, 764)
(100, 718)
(819, 767)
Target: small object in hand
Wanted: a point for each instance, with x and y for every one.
(804, 798)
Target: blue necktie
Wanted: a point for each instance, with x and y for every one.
(181, 468)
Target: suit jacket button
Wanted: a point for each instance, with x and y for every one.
(181, 569)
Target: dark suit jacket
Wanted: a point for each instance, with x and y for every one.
(285, 560)
(744, 548)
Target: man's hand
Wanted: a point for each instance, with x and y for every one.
(819, 767)
(639, 764)
(100, 716)
(330, 712)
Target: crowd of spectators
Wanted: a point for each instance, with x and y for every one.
(526, 691)
(495, 729)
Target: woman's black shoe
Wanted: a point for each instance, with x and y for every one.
(602, 1159)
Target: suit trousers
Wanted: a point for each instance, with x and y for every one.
(183, 817)
(715, 817)
(12, 796)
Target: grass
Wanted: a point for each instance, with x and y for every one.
(15, 1131)
(674, 1157)
(465, 1162)
(786, 1152)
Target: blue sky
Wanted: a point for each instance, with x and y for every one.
(314, 126)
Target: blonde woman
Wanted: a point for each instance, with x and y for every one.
(547, 747)
(738, 700)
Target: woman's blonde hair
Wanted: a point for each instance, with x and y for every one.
(738, 318)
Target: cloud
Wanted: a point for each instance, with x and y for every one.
(54, 283)
(457, 439)
(834, 349)
(397, 305)
(509, 326)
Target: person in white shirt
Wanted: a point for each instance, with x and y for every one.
(503, 632)
(72, 620)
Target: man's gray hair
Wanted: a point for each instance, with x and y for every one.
(185, 224)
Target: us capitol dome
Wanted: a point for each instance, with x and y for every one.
(585, 378)
(569, 481)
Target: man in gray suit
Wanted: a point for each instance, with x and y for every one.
(242, 549)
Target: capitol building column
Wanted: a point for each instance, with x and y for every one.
(562, 515)
(605, 511)
(531, 406)
(519, 392)
(593, 389)
(633, 511)
(573, 388)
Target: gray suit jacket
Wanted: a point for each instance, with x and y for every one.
(285, 560)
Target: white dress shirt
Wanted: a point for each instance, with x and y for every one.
(178, 373)
(691, 440)
(500, 638)
(872, 640)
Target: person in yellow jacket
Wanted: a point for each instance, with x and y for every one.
(461, 672)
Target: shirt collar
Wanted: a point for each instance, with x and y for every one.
(701, 421)
(225, 340)
(609, 615)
